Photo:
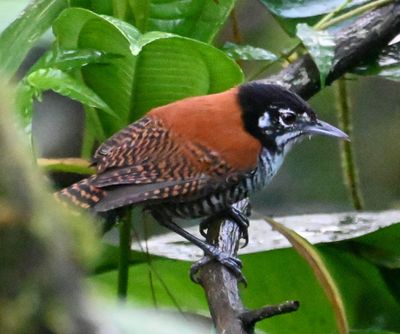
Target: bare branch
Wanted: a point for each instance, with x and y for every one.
(363, 39)
(250, 318)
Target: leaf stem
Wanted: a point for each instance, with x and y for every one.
(329, 16)
(124, 254)
(354, 12)
(119, 9)
(349, 167)
(237, 36)
(324, 23)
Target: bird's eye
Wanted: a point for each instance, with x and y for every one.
(288, 118)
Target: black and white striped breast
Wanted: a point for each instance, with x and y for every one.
(219, 200)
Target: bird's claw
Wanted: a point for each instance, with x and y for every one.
(236, 215)
(231, 263)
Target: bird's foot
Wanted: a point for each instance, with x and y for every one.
(231, 263)
(240, 218)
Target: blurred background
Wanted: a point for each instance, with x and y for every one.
(311, 178)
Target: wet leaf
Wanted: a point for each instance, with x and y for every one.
(371, 331)
(156, 67)
(200, 19)
(321, 46)
(248, 52)
(305, 8)
(64, 84)
(18, 38)
(67, 60)
(386, 65)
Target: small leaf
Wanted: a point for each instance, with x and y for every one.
(66, 165)
(24, 104)
(314, 259)
(200, 19)
(305, 8)
(387, 65)
(156, 68)
(292, 12)
(321, 46)
(67, 60)
(22, 34)
(248, 52)
(66, 85)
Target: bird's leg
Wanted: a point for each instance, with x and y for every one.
(236, 215)
(211, 251)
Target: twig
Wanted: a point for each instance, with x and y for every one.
(349, 166)
(250, 318)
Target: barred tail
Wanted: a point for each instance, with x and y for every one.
(82, 193)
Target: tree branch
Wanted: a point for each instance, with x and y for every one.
(363, 39)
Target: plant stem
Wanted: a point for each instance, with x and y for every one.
(354, 12)
(119, 9)
(237, 36)
(124, 254)
(329, 16)
(349, 167)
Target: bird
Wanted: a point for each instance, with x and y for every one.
(196, 157)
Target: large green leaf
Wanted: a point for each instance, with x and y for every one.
(368, 301)
(292, 12)
(200, 19)
(305, 8)
(273, 277)
(381, 247)
(248, 52)
(321, 46)
(316, 263)
(64, 84)
(371, 331)
(386, 65)
(156, 68)
(68, 60)
(21, 35)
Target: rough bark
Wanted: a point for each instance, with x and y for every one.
(363, 39)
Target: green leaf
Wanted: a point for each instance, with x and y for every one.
(371, 331)
(156, 68)
(381, 247)
(368, 301)
(64, 84)
(292, 12)
(24, 104)
(321, 46)
(305, 8)
(200, 19)
(248, 52)
(22, 34)
(386, 65)
(316, 262)
(273, 277)
(67, 60)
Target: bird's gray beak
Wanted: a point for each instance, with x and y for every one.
(323, 128)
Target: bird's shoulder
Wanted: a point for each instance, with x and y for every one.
(205, 131)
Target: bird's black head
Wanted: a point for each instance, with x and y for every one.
(278, 117)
